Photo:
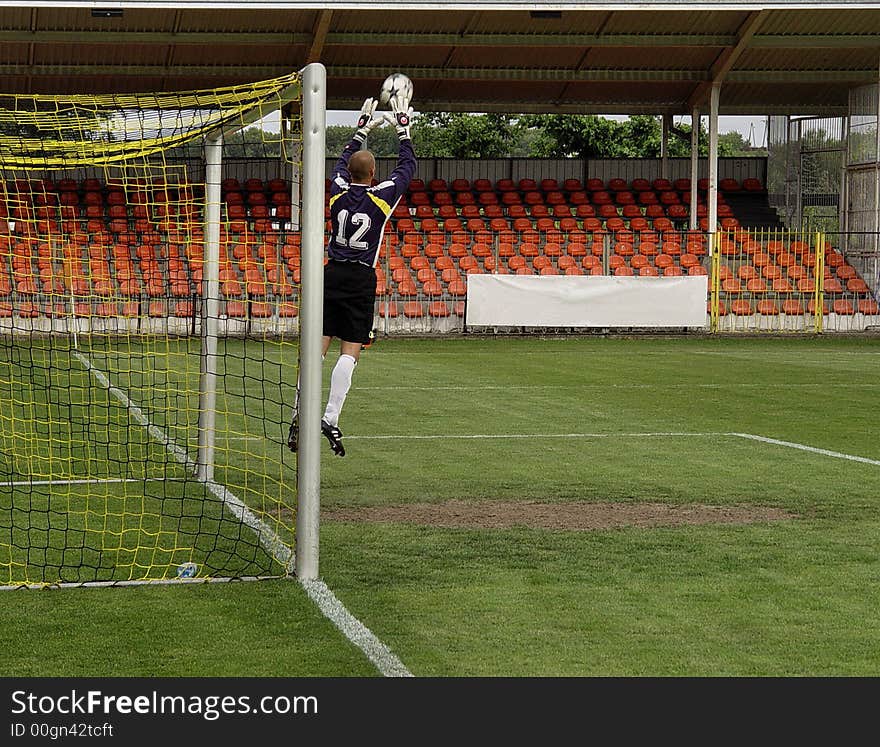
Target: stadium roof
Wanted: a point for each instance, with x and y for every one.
(605, 57)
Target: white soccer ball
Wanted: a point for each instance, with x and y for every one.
(187, 570)
(394, 84)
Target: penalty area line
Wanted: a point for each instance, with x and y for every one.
(651, 434)
(452, 436)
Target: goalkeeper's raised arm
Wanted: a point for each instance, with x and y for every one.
(401, 114)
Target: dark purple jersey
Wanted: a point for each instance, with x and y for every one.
(358, 213)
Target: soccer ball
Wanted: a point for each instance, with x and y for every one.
(394, 84)
(187, 570)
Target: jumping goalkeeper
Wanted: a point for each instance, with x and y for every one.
(359, 212)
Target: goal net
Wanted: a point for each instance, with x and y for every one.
(148, 334)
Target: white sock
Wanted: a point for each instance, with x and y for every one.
(340, 383)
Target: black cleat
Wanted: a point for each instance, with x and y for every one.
(293, 433)
(334, 436)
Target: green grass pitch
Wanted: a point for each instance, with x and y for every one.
(579, 421)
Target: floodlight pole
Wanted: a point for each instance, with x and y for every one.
(308, 472)
(210, 309)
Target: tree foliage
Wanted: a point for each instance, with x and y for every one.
(455, 135)
(591, 136)
(252, 142)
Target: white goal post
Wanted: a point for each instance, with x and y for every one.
(308, 477)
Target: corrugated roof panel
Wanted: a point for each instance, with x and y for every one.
(820, 58)
(660, 96)
(392, 57)
(848, 21)
(677, 58)
(248, 21)
(520, 22)
(103, 55)
(551, 57)
(213, 45)
(793, 98)
(80, 19)
(14, 53)
(285, 57)
(16, 18)
(674, 22)
(437, 21)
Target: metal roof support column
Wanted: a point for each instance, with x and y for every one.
(877, 169)
(695, 166)
(843, 206)
(712, 196)
(665, 126)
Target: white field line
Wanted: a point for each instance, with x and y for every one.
(454, 436)
(353, 629)
(612, 385)
(804, 447)
(135, 582)
(85, 481)
(379, 654)
(776, 356)
(659, 434)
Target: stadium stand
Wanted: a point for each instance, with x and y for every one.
(121, 242)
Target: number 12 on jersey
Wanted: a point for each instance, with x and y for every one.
(360, 224)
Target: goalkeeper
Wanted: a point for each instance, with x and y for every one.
(359, 211)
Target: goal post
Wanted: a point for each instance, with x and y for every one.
(309, 459)
(150, 328)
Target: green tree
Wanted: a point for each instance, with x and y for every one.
(639, 136)
(382, 141)
(734, 144)
(455, 135)
(252, 142)
(572, 135)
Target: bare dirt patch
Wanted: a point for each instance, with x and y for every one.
(570, 516)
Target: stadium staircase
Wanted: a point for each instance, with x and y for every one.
(753, 210)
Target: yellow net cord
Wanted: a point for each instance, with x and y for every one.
(103, 202)
(50, 132)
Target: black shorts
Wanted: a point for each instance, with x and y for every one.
(349, 301)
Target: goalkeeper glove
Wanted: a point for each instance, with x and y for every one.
(400, 117)
(366, 122)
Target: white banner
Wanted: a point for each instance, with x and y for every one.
(586, 301)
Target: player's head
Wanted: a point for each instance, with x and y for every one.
(362, 166)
